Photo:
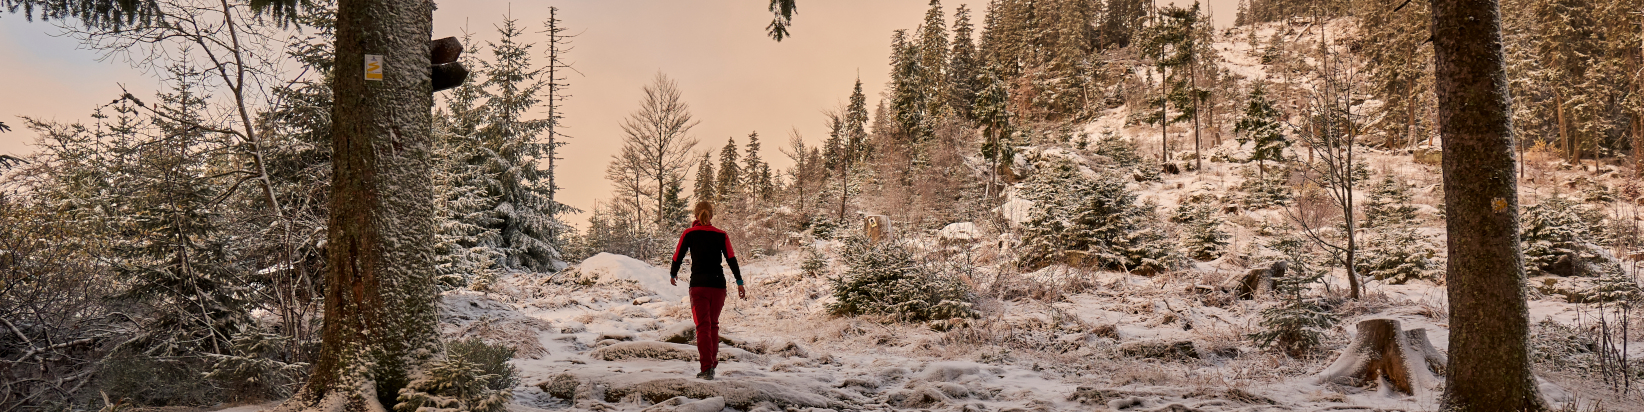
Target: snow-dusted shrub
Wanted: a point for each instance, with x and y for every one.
(1297, 324)
(1597, 193)
(1264, 190)
(1096, 217)
(491, 358)
(256, 369)
(1559, 237)
(1616, 287)
(822, 227)
(645, 350)
(1560, 347)
(1394, 251)
(1389, 205)
(473, 376)
(814, 262)
(1204, 238)
(1399, 254)
(1122, 151)
(142, 379)
(885, 279)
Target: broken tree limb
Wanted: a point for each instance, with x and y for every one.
(1380, 353)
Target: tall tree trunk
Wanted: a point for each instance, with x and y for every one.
(1563, 129)
(1164, 113)
(1489, 367)
(1198, 158)
(379, 298)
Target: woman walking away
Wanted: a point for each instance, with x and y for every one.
(706, 243)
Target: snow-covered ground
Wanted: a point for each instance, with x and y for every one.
(593, 339)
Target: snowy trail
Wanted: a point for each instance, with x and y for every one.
(598, 333)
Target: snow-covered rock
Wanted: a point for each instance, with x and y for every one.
(608, 266)
(960, 231)
(1016, 210)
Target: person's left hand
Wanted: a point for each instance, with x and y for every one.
(673, 281)
(741, 293)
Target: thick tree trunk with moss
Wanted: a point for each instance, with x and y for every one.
(379, 299)
(1489, 365)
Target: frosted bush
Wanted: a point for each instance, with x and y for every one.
(1204, 238)
(1296, 325)
(1096, 217)
(1559, 238)
(885, 279)
(472, 377)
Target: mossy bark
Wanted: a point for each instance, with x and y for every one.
(1489, 365)
(380, 318)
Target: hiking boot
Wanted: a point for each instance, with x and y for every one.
(706, 375)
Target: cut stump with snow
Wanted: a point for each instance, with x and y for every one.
(1256, 281)
(1381, 352)
(876, 227)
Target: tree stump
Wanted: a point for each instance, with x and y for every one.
(1435, 360)
(876, 227)
(1256, 281)
(1382, 353)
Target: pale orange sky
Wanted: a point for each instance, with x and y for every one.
(735, 79)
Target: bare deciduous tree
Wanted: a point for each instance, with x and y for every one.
(656, 145)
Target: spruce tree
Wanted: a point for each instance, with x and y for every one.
(465, 233)
(932, 77)
(992, 109)
(1389, 205)
(962, 67)
(1395, 252)
(380, 317)
(751, 167)
(729, 182)
(1174, 44)
(1122, 21)
(177, 263)
(1396, 54)
(1297, 324)
(767, 182)
(906, 101)
(512, 154)
(855, 124)
(676, 212)
(1260, 126)
(704, 189)
(850, 130)
(1204, 238)
(1093, 215)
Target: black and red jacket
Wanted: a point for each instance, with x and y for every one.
(706, 243)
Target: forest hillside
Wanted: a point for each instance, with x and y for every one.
(1056, 205)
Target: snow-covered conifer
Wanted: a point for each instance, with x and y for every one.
(1093, 215)
(728, 185)
(1298, 323)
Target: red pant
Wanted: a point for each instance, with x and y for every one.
(705, 306)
